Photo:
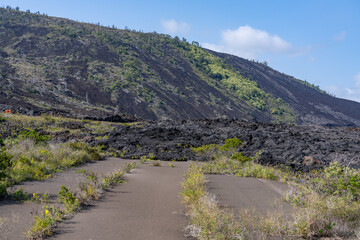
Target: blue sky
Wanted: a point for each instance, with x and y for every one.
(313, 40)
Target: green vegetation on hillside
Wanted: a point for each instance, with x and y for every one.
(222, 75)
(156, 75)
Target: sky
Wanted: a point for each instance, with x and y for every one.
(313, 40)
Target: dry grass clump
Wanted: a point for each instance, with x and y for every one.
(207, 220)
(32, 161)
(90, 189)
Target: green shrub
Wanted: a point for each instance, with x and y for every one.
(112, 179)
(5, 163)
(32, 134)
(93, 151)
(238, 156)
(2, 119)
(68, 198)
(156, 163)
(205, 148)
(207, 219)
(128, 167)
(193, 186)
(3, 192)
(338, 180)
(20, 195)
(25, 168)
(213, 151)
(90, 188)
(33, 161)
(230, 144)
(44, 222)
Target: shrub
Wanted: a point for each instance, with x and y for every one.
(68, 198)
(193, 185)
(32, 134)
(20, 195)
(208, 151)
(230, 144)
(33, 161)
(205, 148)
(207, 219)
(44, 222)
(128, 167)
(156, 163)
(93, 151)
(112, 179)
(238, 156)
(5, 163)
(90, 188)
(3, 192)
(338, 180)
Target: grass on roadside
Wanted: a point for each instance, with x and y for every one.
(31, 157)
(71, 202)
(325, 202)
(207, 220)
(44, 222)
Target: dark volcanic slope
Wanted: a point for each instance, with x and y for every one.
(279, 143)
(312, 106)
(50, 64)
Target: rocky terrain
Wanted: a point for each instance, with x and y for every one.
(300, 147)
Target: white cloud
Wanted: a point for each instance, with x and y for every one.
(340, 36)
(249, 42)
(174, 27)
(347, 93)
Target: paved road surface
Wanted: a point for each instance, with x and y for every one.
(147, 207)
(241, 193)
(21, 215)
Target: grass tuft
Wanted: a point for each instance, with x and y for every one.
(207, 220)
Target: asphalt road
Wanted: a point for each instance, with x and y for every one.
(19, 216)
(240, 193)
(146, 207)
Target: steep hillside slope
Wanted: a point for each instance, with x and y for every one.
(311, 105)
(57, 65)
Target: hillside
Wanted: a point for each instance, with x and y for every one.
(77, 69)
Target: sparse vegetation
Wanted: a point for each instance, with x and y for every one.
(325, 202)
(19, 195)
(72, 202)
(27, 155)
(128, 167)
(134, 75)
(112, 179)
(40, 198)
(44, 222)
(207, 220)
(156, 163)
